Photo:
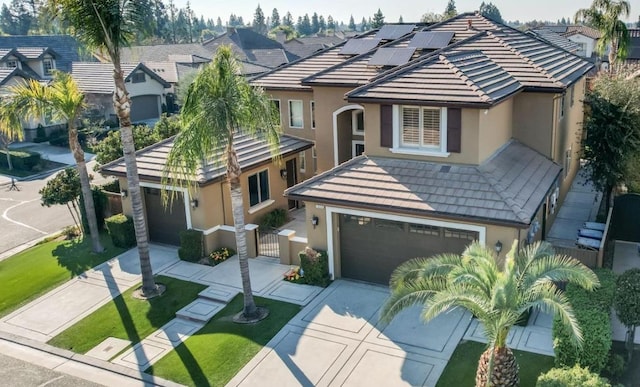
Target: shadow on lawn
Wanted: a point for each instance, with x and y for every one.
(76, 255)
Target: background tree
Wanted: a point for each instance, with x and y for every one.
(259, 24)
(304, 25)
(62, 99)
(10, 129)
(322, 24)
(604, 15)
(331, 24)
(275, 18)
(491, 11)
(400, 19)
(287, 20)
(110, 148)
(315, 23)
(107, 26)
(497, 295)
(378, 20)
(431, 17)
(352, 24)
(627, 305)
(63, 189)
(450, 11)
(363, 25)
(219, 105)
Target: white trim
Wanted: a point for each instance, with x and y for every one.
(481, 230)
(259, 189)
(353, 146)
(303, 156)
(224, 227)
(354, 122)
(185, 193)
(261, 206)
(417, 152)
(289, 110)
(312, 113)
(335, 128)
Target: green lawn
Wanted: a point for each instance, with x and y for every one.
(220, 349)
(33, 272)
(129, 318)
(461, 368)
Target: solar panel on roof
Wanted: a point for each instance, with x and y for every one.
(394, 31)
(358, 46)
(387, 56)
(431, 40)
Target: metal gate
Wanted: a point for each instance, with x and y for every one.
(268, 244)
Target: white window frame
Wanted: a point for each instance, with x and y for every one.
(354, 122)
(15, 61)
(137, 74)
(279, 110)
(314, 157)
(44, 67)
(291, 115)
(561, 112)
(312, 110)
(399, 148)
(262, 203)
(354, 145)
(303, 161)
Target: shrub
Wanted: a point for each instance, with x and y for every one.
(113, 186)
(220, 255)
(274, 219)
(40, 132)
(22, 160)
(71, 232)
(627, 300)
(99, 205)
(571, 377)
(315, 267)
(592, 311)
(190, 245)
(121, 229)
(615, 366)
(167, 126)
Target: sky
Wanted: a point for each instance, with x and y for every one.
(411, 10)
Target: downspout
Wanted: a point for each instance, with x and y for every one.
(224, 213)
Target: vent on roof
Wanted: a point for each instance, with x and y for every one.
(445, 168)
(394, 31)
(358, 46)
(386, 56)
(431, 40)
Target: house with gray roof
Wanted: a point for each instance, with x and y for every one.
(584, 36)
(428, 137)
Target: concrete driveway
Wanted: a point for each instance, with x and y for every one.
(337, 340)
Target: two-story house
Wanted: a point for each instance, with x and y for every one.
(427, 138)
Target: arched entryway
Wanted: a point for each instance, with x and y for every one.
(348, 133)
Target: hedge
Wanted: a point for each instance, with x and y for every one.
(592, 311)
(191, 245)
(315, 267)
(121, 229)
(22, 160)
(571, 377)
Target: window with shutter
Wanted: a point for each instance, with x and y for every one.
(431, 127)
(410, 126)
(419, 130)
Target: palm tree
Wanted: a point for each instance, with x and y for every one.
(107, 25)
(604, 15)
(496, 293)
(10, 128)
(220, 104)
(64, 100)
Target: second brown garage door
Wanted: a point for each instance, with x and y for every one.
(164, 224)
(371, 248)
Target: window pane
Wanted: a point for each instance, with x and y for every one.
(295, 114)
(411, 126)
(313, 115)
(276, 107)
(253, 190)
(431, 127)
(303, 161)
(264, 186)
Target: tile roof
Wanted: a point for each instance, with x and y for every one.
(66, 47)
(97, 78)
(36, 52)
(251, 153)
(508, 187)
(634, 46)
(554, 38)
(6, 74)
(180, 53)
(166, 70)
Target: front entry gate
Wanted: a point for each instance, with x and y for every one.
(268, 244)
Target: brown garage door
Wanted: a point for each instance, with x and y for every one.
(371, 248)
(144, 107)
(164, 223)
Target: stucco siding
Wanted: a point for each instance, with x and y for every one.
(533, 116)
(494, 129)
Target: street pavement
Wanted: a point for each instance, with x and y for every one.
(15, 372)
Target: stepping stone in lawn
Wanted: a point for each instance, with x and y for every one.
(108, 348)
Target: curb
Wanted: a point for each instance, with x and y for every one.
(125, 372)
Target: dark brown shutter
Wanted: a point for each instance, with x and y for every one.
(454, 130)
(386, 126)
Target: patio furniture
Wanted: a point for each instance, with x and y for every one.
(588, 243)
(595, 226)
(589, 233)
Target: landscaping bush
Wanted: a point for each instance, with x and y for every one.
(190, 245)
(592, 311)
(22, 160)
(571, 377)
(315, 267)
(121, 230)
(113, 186)
(274, 219)
(220, 255)
(615, 366)
(99, 204)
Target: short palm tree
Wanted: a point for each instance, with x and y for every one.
(496, 293)
(108, 25)
(10, 128)
(220, 104)
(64, 100)
(604, 15)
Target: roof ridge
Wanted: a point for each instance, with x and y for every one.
(461, 74)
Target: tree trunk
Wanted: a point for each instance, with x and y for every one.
(73, 216)
(613, 54)
(122, 104)
(9, 163)
(78, 216)
(631, 336)
(237, 207)
(504, 371)
(85, 185)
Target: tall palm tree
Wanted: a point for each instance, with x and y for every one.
(604, 15)
(496, 293)
(64, 100)
(220, 104)
(10, 128)
(108, 25)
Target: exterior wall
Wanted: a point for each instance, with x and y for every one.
(306, 97)
(533, 121)
(494, 128)
(589, 43)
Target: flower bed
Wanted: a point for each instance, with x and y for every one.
(220, 255)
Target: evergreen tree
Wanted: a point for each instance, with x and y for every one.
(188, 16)
(450, 11)
(491, 11)
(352, 24)
(315, 24)
(287, 20)
(240, 21)
(173, 11)
(259, 24)
(219, 26)
(304, 25)
(638, 22)
(275, 18)
(322, 24)
(400, 19)
(233, 20)
(363, 25)
(331, 25)
(378, 19)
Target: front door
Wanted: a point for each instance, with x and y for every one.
(292, 179)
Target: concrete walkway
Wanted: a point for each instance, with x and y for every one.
(581, 205)
(625, 257)
(49, 152)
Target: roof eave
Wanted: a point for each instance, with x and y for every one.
(395, 101)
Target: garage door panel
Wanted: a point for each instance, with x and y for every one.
(164, 223)
(371, 249)
(144, 107)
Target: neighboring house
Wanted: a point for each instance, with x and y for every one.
(557, 40)
(586, 37)
(11, 77)
(146, 90)
(209, 207)
(427, 138)
(633, 57)
(305, 46)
